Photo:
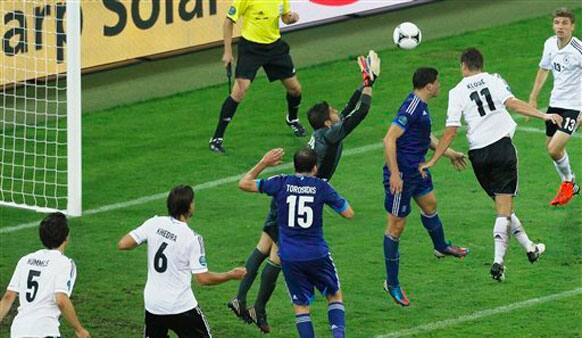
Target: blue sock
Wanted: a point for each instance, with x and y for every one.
(337, 319)
(392, 259)
(304, 326)
(432, 224)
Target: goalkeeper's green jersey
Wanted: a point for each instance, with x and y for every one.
(328, 142)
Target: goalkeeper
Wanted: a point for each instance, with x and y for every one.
(330, 129)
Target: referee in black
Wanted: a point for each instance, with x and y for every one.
(259, 46)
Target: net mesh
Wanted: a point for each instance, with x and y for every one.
(33, 105)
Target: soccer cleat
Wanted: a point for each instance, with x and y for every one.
(260, 320)
(239, 310)
(296, 126)
(498, 272)
(397, 294)
(534, 256)
(565, 194)
(451, 250)
(216, 146)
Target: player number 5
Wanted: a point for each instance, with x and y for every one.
(31, 284)
(301, 211)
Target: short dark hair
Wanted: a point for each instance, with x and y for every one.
(53, 230)
(423, 76)
(179, 200)
(318, 114)
(304, 160)
(472, 58)
(564, 12)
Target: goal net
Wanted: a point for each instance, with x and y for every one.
(40, 105)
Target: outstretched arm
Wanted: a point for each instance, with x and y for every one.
(272, 158)
(525, 109)
(441, 148)
(214, 278)
(458, 159)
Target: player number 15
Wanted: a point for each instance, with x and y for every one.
(298, 209)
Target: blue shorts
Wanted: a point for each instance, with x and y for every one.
(302, 277)
(414, 186)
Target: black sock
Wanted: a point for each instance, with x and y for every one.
(226, 113)
(253, 263)
(293, 103)
(268, 284)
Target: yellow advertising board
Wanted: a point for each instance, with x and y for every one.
(112, 31)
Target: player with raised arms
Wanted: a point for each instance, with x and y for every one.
(330, 129)
(563, 56)
(305, 258)
(175, 252)
(405, 145)
(481, 99)
(43, 281)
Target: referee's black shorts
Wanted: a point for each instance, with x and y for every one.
(273, 57)
(189, 324)
(568, 125)
(495, 167)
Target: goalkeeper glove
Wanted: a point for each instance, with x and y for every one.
(370, 68)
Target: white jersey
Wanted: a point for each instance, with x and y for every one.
(480, 100)
(566, 66)
(175, 252)
(38, 276)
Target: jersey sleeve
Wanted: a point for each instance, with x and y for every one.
(455, 110)
(14, 284)
(334, 200)
(197, 256)
(546, 61)
(236, 10)
(405, 118)
(66, 277)
(286, 7)
(271, 185)
(501, 89)
(339, 131)
(140, 234)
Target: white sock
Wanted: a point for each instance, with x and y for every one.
(519, 233)
(563, 168)
(501, 237)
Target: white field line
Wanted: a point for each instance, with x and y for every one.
(219, 182)
(481, 314)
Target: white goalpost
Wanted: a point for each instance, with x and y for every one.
(40, 105)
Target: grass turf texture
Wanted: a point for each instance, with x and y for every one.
(147, 148)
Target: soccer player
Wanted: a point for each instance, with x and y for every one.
(305, 256)
(259, 46)
(330, 129)
(481, 99)
(175, 252)
(405, 145)
(563, 56)
(43, 281)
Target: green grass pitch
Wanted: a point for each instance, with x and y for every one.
(144, 149)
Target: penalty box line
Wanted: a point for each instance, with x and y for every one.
(222, 181)
(425, 328)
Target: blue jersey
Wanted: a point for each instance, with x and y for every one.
(414, 118)
(300, 201)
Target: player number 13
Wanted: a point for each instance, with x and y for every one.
(298, 209)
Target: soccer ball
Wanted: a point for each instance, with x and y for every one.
(407, 35)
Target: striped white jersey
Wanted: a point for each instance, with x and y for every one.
(37, 278)
(480, 100)
(566, 67)
(175, 252)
